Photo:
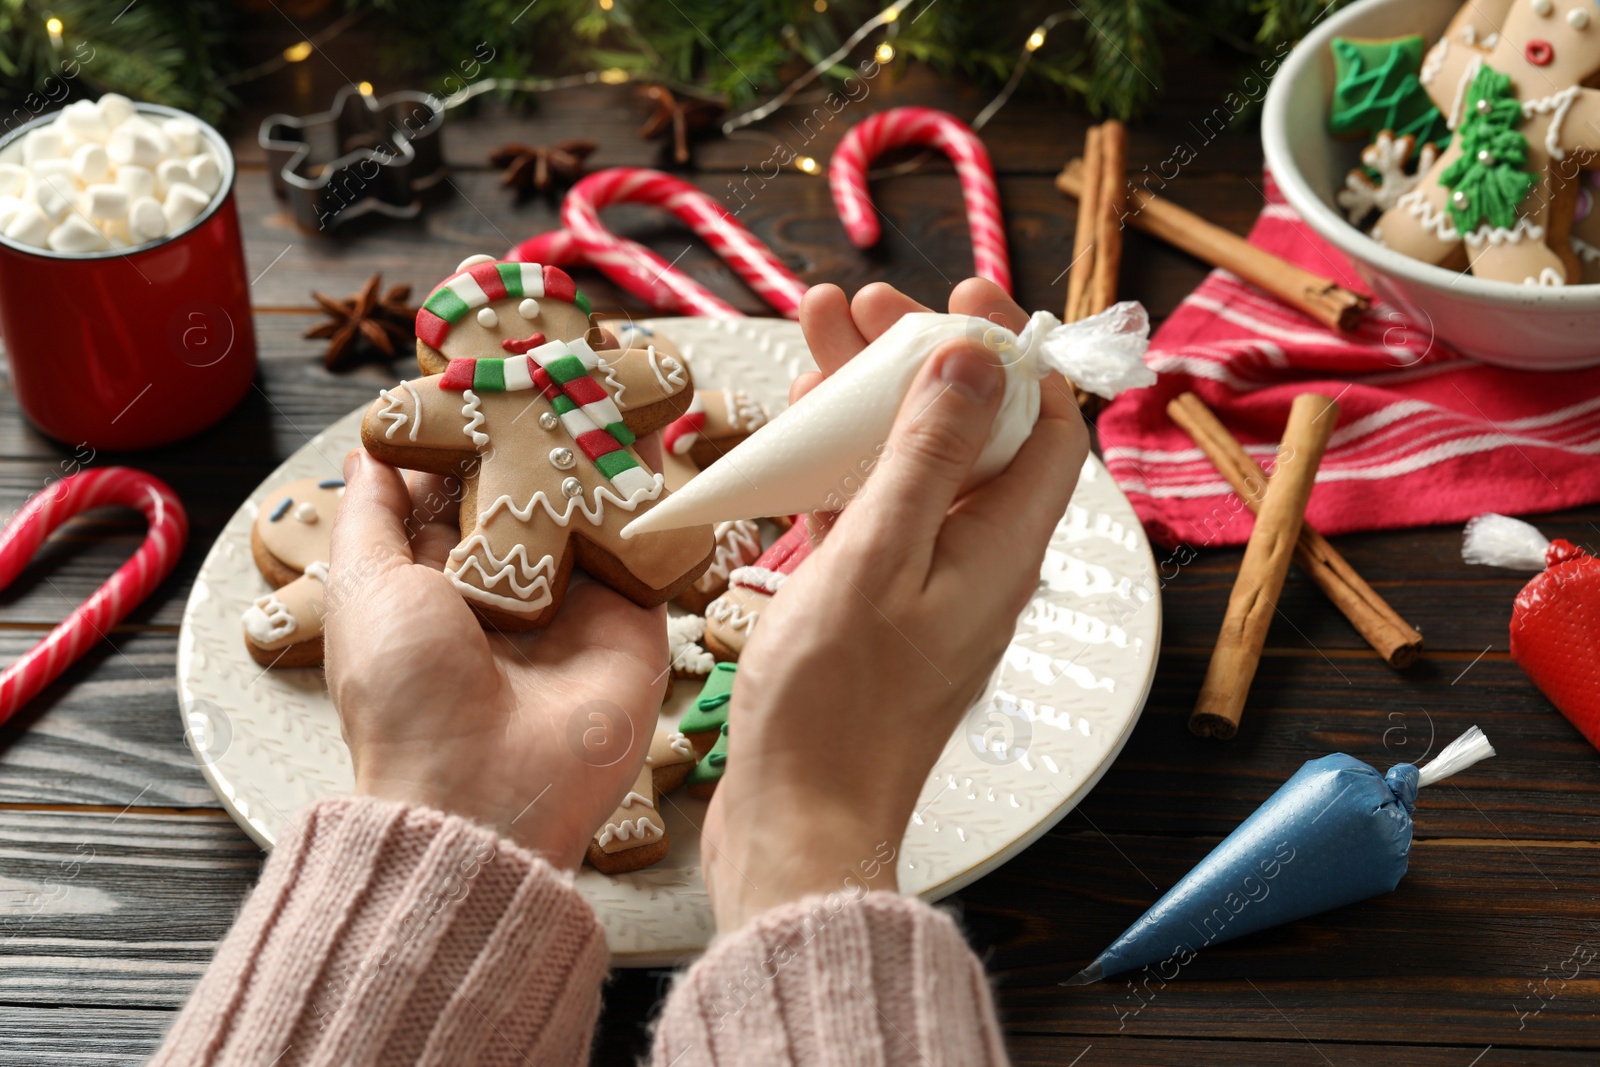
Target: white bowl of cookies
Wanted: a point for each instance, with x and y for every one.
(1490, 243)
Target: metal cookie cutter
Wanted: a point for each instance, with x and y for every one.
(362, 155)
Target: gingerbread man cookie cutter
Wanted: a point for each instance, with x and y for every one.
(364, 154)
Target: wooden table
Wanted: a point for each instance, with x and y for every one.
(119, 872)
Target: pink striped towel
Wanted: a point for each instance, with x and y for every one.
(1425, 434)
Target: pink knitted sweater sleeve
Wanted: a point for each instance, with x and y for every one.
(384, 934)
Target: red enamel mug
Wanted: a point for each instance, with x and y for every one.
(131, 349)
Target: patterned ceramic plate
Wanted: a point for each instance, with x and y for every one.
(1065, 698)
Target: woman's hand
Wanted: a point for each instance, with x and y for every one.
(537, 736)
(870, 654)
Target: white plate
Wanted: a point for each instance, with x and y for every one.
(1058, 711)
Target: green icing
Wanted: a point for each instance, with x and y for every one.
(1375, 87)
(712, 767)
(710, 711)
(1491, 190)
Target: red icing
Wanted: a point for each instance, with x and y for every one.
(1555, 635)
(1539, 53)
(690, 423)
(788, 551)
(596, 443)
(431, 329)
(584, 391)
(487, 275)
(558, 285)
(457, 376)
(521, 347)
(544, 383)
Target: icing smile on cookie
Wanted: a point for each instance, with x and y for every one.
(1539, 53)
(518, 348)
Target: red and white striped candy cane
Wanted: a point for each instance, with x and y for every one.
(901, 126)
(645, 274)
(132, 582)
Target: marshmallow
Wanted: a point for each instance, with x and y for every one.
(137, 180)
(115, 109)
(205, 174)
(30, 226)
(55, 196)
(13, 179)
(58, 172)
(84, 121)
(91, 164)
(142, 146)
(77, 234)
(46, 142)
(10, 206)
(170, 172)
(146, 219)
(183, 205)
(105, 202)
(185, 136)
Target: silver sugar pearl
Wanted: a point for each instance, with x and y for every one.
(1485, 157)
(548, 420)
(563, 459)
(1484, 106)
(1459, 199)
(572, 487)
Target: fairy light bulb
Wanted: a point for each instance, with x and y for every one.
(613, 75)
(297, 52)
(891, 13)
(53, 27)
(1035, 41)
(885, 52)
(808, 165)
(366, 88)
(606, 5)
(819, 6)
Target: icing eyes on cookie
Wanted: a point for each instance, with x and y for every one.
(306, 513)
(529, 308)
(1578, 18)
(487, 318)
(1542, 8)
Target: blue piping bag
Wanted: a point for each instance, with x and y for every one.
(1335, 833)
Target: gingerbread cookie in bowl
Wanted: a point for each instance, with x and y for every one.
(548, 424)
(290, 541)
(1520, 113)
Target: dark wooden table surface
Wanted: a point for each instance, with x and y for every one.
(119, 871)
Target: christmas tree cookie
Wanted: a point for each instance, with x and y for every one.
(702, 781)
(1376, 87)
(709, 713)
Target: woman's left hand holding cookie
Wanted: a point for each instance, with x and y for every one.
(536, 736)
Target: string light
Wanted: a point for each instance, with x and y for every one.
(807, 165)
(366, 88)
(884, 53)
(1035, 40)
(613, 76)
(605, 5)
(819, 6)
(295, 53)
(53, 27)
(891, 13)
(298, 52)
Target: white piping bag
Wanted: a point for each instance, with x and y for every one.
(814, 455)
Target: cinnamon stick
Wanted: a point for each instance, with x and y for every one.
(1266, 563)
(1382, 627)
(1110, 211)
(1321, 298)
(1083, 241)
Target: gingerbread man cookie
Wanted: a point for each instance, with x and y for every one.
(290, 541)
(551, 423)
(1521, 118)
(732, 617)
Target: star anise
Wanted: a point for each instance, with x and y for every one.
(365, 324)
(538, 168)
(679, 115)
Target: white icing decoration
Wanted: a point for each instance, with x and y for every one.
(1434, 220)
(487, 318)
(474, 417)
(1435, 59)
(680, 744)
(636, 798)
(668, 371)
(640, 829)
(614, 387)
(1560, 103)
(268, 620)
(1578, 18)
(529, 308)
(1548, 277)
(1586, 251)
(1499, 235)
(745, 412)
(758, 578)
(532, 591)
(1491, 41)
(595, 512)
(1469, 35)
(472, 261)
(1388, 156)
(1461, 89)
(306, 513)
(683, 649)
(725, 611)
(398, 418)
(317, 569)
(737, 539)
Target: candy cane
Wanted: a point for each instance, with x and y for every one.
(645, 274)
(89, 621)
(901, 126)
